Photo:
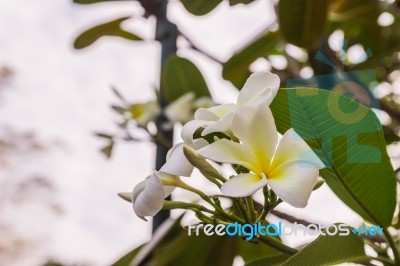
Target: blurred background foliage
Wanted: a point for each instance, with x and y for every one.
(299, 39)
(298, 45)
(22, 190)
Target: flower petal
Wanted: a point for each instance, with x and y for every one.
(143, 113)
(138, 189)
(256, 85)
(267, 96)
(198, 144)
(203, 102)
(169, 182)
(222, 109)
(226, 151)
(190, 128)
(205, 114)
(243, 185)
(224, 124)
(151, 198)
(177, 164)
(255, 127)
(292, 147)
(293, 182)
(215, 112)
(168, 190)
(181, 110)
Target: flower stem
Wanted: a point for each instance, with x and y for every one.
(250, 209)
(218, 209)
(242, 209)
(267, 205)
(213, 180)
(393, 246)
(210, 220)
(170, 205)
(385, 261)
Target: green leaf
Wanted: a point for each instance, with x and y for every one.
(200, 7)
(84, 2)
(236, 69)
(302, 21)
(270, 261)
(350, 9)
(119, 109)
(251, 252)
(125, 196)
(320, 182)
(198, 250)
(173, 246)
(358, 20)
(235, 2)
(390, 134)
(111, 28)
(108, 149)
(167, 231)
(103, 135)
(348, 138)
(127, 259)
(329, 250)
(181, 76)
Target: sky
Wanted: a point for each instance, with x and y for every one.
(62, 96)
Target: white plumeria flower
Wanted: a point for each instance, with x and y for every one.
(148, 196)
(289, 167)
(177, 164)
(144, 113)
(181, 110)
(259, 86)
(203, 102)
